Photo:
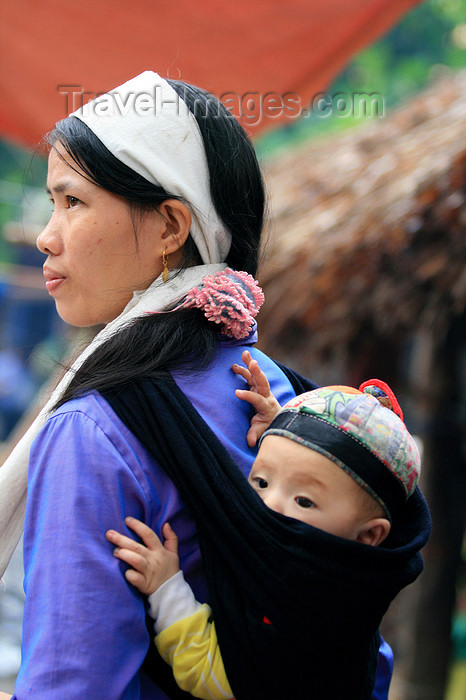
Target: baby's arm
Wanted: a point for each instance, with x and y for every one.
(259, 396)
(187, 641)
(186, 636)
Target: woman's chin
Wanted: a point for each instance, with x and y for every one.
(78, 319)
(84, 317)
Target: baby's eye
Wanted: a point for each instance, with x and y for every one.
(259, 482)
(71, 201)
(304, 502)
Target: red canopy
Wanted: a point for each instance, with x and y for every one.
(270, 48)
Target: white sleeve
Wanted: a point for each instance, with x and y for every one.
(173, 601)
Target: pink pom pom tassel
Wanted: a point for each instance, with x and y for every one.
(229, 298)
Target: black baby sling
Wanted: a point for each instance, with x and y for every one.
(296, 610)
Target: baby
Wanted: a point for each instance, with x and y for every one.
(336, 458)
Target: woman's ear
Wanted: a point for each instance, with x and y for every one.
(374, 531)
(177, 218)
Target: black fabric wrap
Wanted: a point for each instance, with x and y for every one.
(324, 596)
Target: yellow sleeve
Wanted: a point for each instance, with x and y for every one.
(191, 648)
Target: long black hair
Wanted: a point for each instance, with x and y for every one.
(159, 343)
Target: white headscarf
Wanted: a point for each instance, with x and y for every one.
(147, 126)
(165, 146)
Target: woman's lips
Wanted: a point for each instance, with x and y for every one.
(53, 284)
(53, 280)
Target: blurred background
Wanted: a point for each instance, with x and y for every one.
(364, 267)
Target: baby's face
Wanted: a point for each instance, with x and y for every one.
(303, 484)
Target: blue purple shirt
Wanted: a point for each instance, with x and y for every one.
(84, 633)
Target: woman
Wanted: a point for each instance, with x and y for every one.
(149, 197)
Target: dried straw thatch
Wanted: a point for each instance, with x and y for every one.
(366, 276)
(369, 227)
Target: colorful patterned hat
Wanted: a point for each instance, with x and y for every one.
(362, 431)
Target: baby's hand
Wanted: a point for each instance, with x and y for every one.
(153, 562)
(259, 396)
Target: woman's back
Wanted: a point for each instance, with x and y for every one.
(89, 472)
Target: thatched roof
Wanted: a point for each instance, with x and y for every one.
(369, 226)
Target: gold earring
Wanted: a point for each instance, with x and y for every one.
(165, 267)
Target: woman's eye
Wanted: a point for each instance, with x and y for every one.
(72, 201)
(304, 502)
(260, 482)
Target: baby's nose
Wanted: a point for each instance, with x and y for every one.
(274, 501)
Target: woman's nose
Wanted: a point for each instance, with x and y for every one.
(49, 240)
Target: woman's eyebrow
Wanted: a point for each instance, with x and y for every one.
(61, 187)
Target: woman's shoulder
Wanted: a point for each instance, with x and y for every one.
(85, 439)
(91, 405)
(90, 412)
(88, 422)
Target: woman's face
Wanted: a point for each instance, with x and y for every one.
(94, 262)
